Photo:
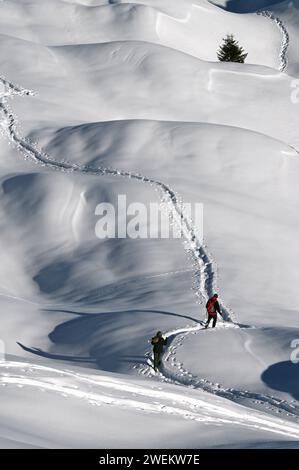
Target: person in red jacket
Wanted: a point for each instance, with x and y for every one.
(213, 308)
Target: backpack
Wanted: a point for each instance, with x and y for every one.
(155, 340)
(210, 306)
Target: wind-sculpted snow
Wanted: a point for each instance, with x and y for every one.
(196, 131)
(205, 275)
(204, 268)
(195, 28)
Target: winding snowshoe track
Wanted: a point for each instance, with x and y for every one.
(205, 273)
(283, 56)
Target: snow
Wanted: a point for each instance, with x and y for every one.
(111, 399)
(288, 13)
(100, 99)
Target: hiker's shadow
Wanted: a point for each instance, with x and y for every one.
(283, 376)
(94, 338)
(97, 362)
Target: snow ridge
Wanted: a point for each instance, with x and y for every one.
(283, 56)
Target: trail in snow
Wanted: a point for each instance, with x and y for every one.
(283, 56)
(172, 371)
(204, 267)
(205, 274)
(184, 377)
(104, 390)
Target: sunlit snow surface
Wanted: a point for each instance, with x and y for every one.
(104, 98)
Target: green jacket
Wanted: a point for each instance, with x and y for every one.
(158, 342)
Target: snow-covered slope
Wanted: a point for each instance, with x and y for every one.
(195, 28)
(127, 99)
(112, 402)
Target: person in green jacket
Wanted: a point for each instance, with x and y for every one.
(158, 342)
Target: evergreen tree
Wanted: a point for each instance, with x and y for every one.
(230, 51)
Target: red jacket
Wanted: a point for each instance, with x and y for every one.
(213, 306)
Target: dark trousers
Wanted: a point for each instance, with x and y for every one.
(157, 359)
(211, 317)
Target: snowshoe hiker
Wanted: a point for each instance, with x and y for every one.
(213, 308)
(158, 342)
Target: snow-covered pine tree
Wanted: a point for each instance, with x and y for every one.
(230, 51)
